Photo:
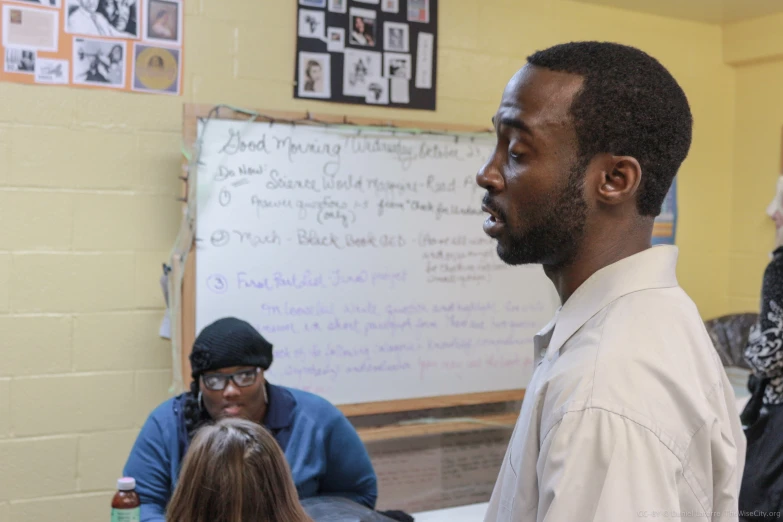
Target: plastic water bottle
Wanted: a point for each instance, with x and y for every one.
(126, 505)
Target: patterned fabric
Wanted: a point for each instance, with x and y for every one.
(765, 344)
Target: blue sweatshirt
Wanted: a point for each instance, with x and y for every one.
(322, 448)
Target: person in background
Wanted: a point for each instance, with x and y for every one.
(762, 483)
(629, 413)
(228, 361)
(234, 471)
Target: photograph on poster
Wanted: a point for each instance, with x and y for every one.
(20, 61)
(312, 24)
(396, 37)
(30, 28)
(419, 11)
(338, 6)
(390, 6)
(99, 62)
(113, 18)
(362, 27)
(335, 39)
(358, 67)
(315, 75)
(377, 91)
(163, 21)
(52, 71)
(398, 66)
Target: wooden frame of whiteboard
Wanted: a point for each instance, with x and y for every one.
(192, 113)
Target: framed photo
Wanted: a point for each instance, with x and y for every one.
(312, 24)
(335, 39)
(112, 18)
(315, 75)
(419, 11)
(56, 72)
(398, 66)
(156, 69)
(390, 6)
(362, 31)
(30, 28)
(99, 62)
(377, 91)
(360, 67)
(19, 61)
(338, 6)
(163, 21)
(396, 37)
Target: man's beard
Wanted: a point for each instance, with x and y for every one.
(555, 239)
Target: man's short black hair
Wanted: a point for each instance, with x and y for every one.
(629, 105)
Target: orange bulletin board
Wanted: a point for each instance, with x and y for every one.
(126, 45)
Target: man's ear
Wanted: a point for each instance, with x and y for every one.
(619, 181)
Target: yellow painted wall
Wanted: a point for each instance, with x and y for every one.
(755, 49)
(88, 182)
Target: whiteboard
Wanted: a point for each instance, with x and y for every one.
(360, 255)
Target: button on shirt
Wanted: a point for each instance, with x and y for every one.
(629, 414)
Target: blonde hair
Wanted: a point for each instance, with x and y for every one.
(235, 471)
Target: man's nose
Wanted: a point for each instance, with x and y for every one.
(489, 176)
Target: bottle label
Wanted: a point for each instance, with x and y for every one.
(126, 515)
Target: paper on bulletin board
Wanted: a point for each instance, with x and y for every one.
(665, 225)
(128, 45)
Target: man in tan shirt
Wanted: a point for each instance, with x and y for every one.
(629, 414)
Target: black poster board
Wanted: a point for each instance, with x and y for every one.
(366, 52)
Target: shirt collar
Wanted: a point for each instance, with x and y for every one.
(280, 408)
(544, 337)
(652, 268)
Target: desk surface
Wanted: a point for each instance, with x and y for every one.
(471, 513)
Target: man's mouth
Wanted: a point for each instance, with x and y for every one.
(494, 222)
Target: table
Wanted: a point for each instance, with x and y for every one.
(471, 513)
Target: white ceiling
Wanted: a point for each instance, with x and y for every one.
(710, 11)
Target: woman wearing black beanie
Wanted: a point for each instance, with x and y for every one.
(228, 361)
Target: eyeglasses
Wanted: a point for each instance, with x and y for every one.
(218, 381)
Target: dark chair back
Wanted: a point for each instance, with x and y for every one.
(729, 334)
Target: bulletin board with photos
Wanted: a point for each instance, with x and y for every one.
(373, 52)
(128, 45)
